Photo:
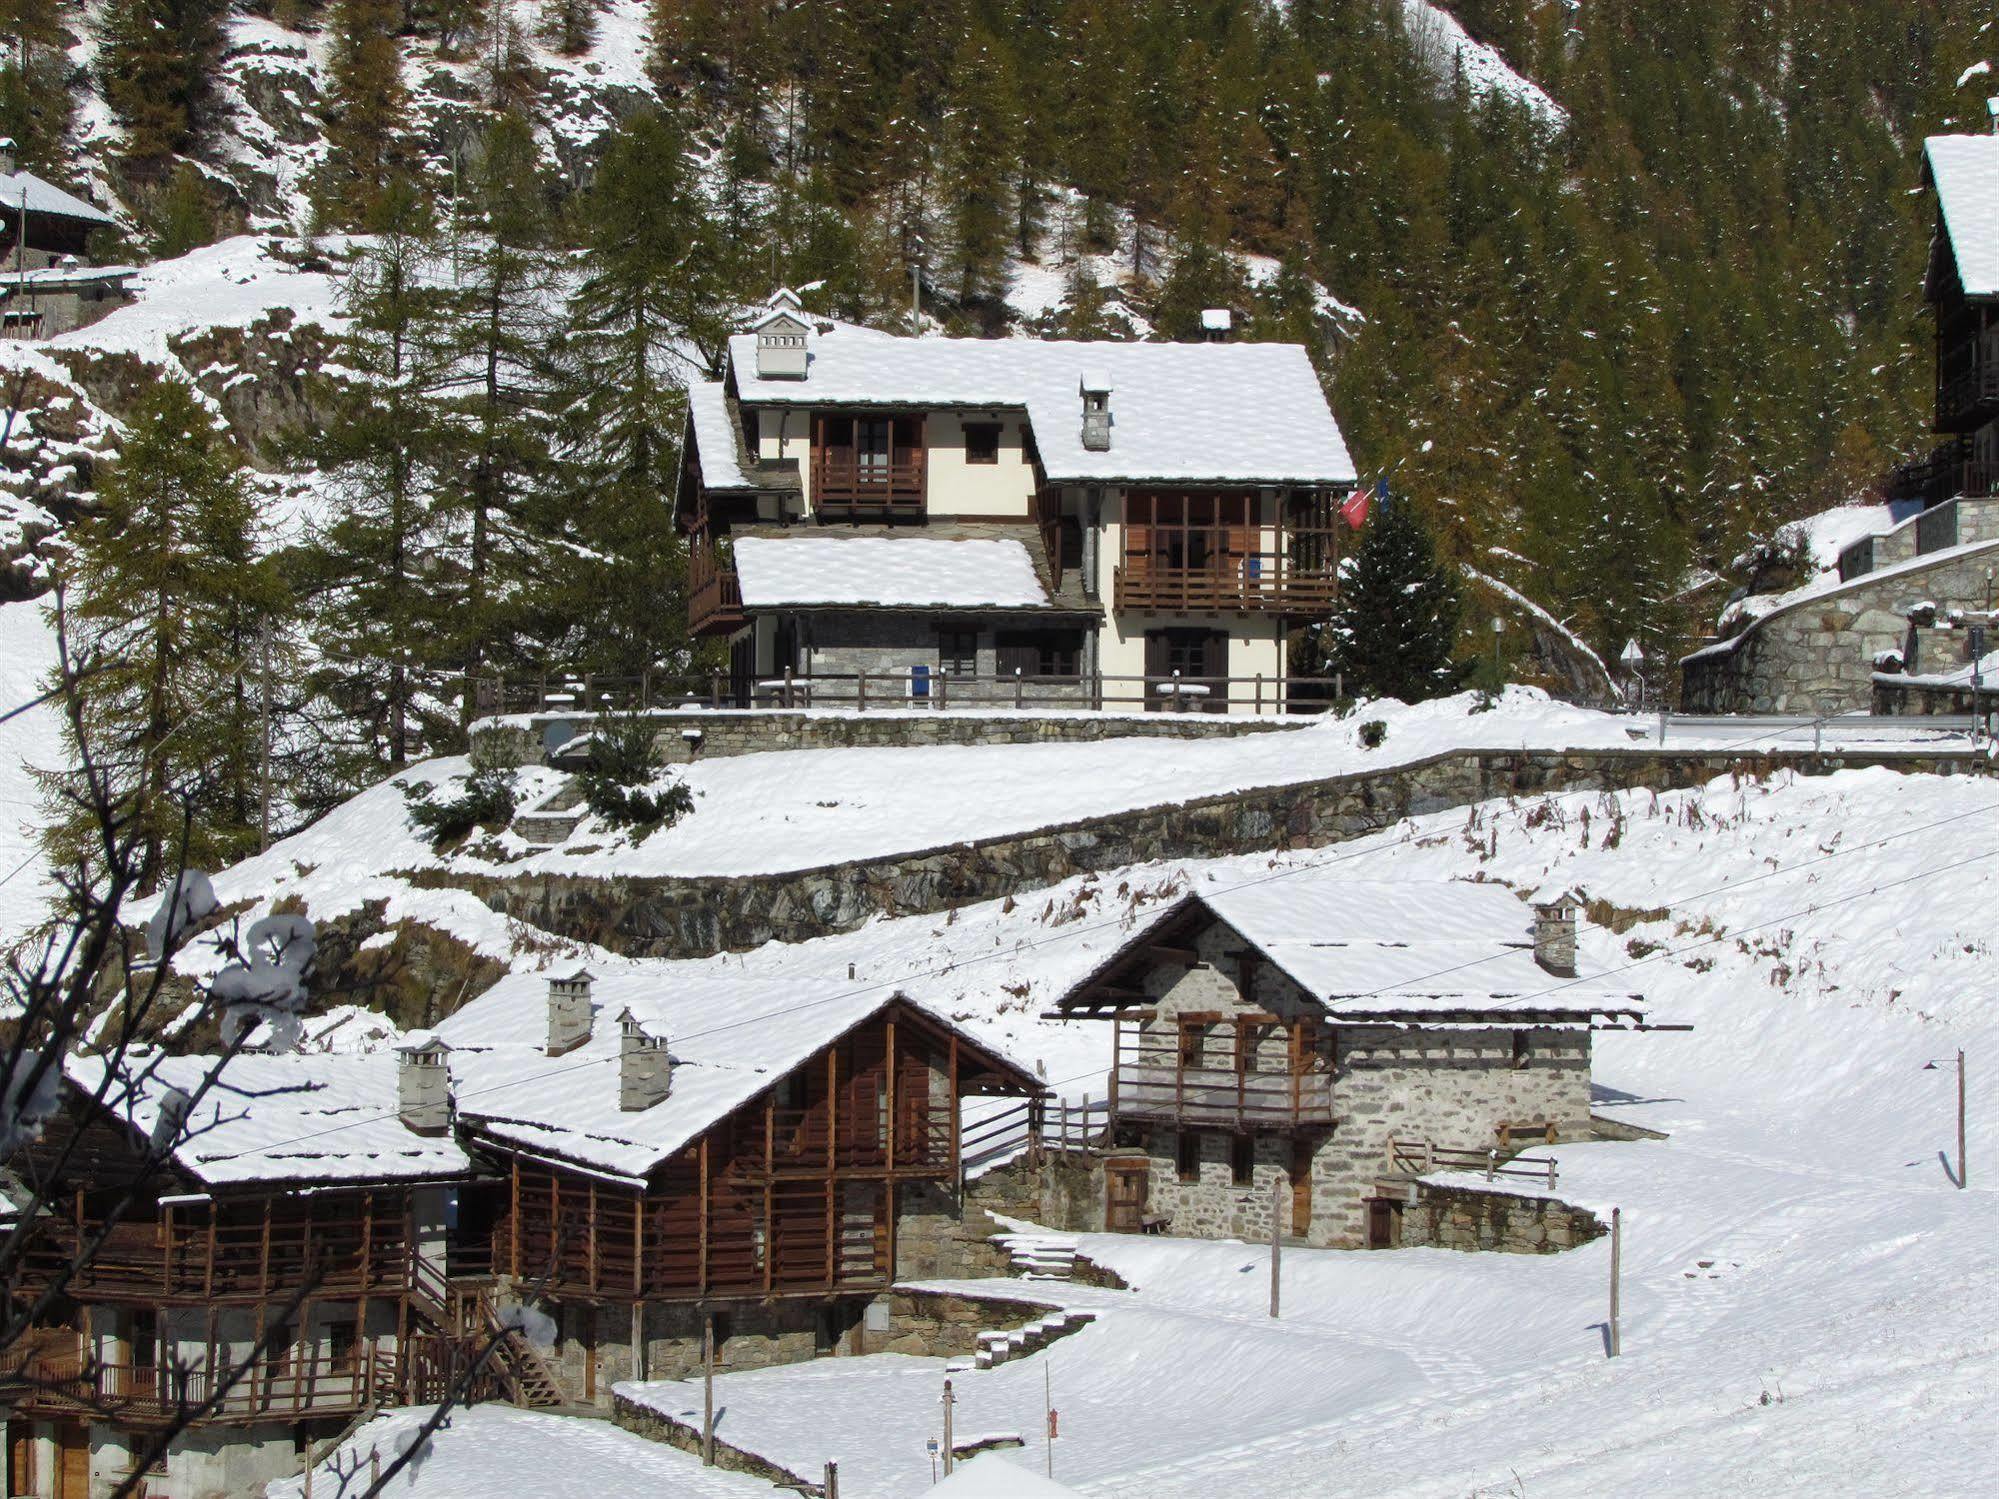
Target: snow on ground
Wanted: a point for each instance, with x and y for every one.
(1760, 606)
(798, 810)
(1831, 532)
(494, 1449)
(30, 740)
(1808, 1299)
(1445, 48)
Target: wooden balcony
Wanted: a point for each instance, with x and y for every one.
(1224, 569)
(1221, 1097)
(282, 1388)
(715, 604)
(850, 485)
(1968, 396)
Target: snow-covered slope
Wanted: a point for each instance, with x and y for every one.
(1807, 1295)
(1448, 51)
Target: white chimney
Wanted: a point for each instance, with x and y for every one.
(1555, 911)
(7, 158)
(781, 347)
(423, 1084)
(1096, 389)
(1216, 322)
(569, 1011)
(645, 1071)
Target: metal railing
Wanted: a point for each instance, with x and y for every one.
(919, 687)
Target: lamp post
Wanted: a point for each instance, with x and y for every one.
(1498, 632)
(1932, 1066)
(1633, 661)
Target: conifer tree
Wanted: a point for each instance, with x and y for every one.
(35, 104)
(569, 25)
(367, 113)
(158, 62)
(1395, 629)
(372, 575)
(165, 598)
(981, 158)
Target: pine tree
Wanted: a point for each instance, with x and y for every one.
(158, 64)
(165, 598)
(367, 114)
(35, 104)
(371, 576)
(570, 26)
(1395, 629)
(981, 159)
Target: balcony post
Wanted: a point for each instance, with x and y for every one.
(861, 691)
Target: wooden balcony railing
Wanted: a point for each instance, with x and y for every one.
(1968, 394)
(1222, 569)
(282, 1388)
(1950, 469)
(715, 604)
(1245, 1099)
(846, 483)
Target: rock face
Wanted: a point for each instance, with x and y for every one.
(695, 916)
(1817, 656)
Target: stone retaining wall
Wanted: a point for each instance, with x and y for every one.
(726, 732)
(1818, 656)
(1466, 1218)
(695, 916)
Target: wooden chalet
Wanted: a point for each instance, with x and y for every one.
(1307, 1036)
(1171, 505)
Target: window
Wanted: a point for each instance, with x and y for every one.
(1242, 1160)
(1523, 1049)
(1193, 1042)
(871, 442)
(958, 652)
(1038, 653)
(1187, 1156)
(982, 442)
(342, 1344)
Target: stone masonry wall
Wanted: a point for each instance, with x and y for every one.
(696, 916)
(1466, 1218)
(1818, 656)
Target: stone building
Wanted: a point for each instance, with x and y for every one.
(963, 521)
(47, 285)
(1282, 1047)
(1816, 650)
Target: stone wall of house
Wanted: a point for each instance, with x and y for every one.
(1818, 656)
(695, 916)
(934, 1240)
(1510, 1222)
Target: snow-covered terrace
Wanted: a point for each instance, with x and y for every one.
(885, 572)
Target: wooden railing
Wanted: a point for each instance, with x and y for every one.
(1421, 1157)
(581, 697)
(715, 605)
(844, 483)
(1229, 575)
(1033, 1126)
(280, 1388)
(1969, 391)
(1243, 1099)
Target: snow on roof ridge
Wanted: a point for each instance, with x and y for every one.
(1964, 170)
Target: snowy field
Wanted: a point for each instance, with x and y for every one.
(1809, 1301)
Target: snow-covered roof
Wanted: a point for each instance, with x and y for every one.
(990, 1476)
(1368, 948)
(1964, 169)
(715, 436)
(730, 1036)
(886, 571)
(295, 1118)
(1241, 413)
(46, 199)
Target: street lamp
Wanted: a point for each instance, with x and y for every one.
(1498, 630)
(1932, 1066)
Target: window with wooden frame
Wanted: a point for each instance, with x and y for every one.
(1246, 963)
(1242, 1160)
(343, 1344)
(1187, 1155)
(958, 652)
(1038, 653)
(1193, 1043)
(982, 441)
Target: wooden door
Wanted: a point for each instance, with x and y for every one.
(1125, 1188)
(1384, 1225)
(21, 1458)
(72, 1460)
(1301, 1186)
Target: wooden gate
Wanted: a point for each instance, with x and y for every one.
(72, 1460)
(1302, 1152)
(1125, 1187)
(1384, 1223)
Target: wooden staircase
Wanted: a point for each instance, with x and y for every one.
(515, 1364)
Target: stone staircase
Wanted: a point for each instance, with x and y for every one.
(1039, 1256)
(1000, 1347)
(551, 820)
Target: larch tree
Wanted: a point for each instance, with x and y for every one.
(35, 104)
(981, 156)
(166, 599)
(369, 102)
(157, 65)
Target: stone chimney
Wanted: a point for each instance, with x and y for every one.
(7, 157)
(781, 347)
(645, 1071)
(1216, 323)
(569, 1011)
(423, 1085)
(1096, 389)
(1555, 910)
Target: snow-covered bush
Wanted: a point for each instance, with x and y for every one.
(621, 786)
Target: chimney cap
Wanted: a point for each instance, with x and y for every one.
(784, 296)
(574, 976)
(1096, 383)
(1217, 319)
(418, 1043)
(1554, 893)
(631, 1022)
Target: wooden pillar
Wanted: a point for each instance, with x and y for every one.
(514, 1226)
(638, 1244)
(590, 1206)
(952, 1113)
(770, 1166)
(264, 1255)
(704, 1216)
(1117, 1047)
(832, 1165)
(368, 1240)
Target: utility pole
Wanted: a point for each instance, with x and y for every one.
(1616, 1246)
(264, 817)
(949, 1401)
(1276, 1203)
(1961, 1177)
(708, 1390)
(1048, 1410)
